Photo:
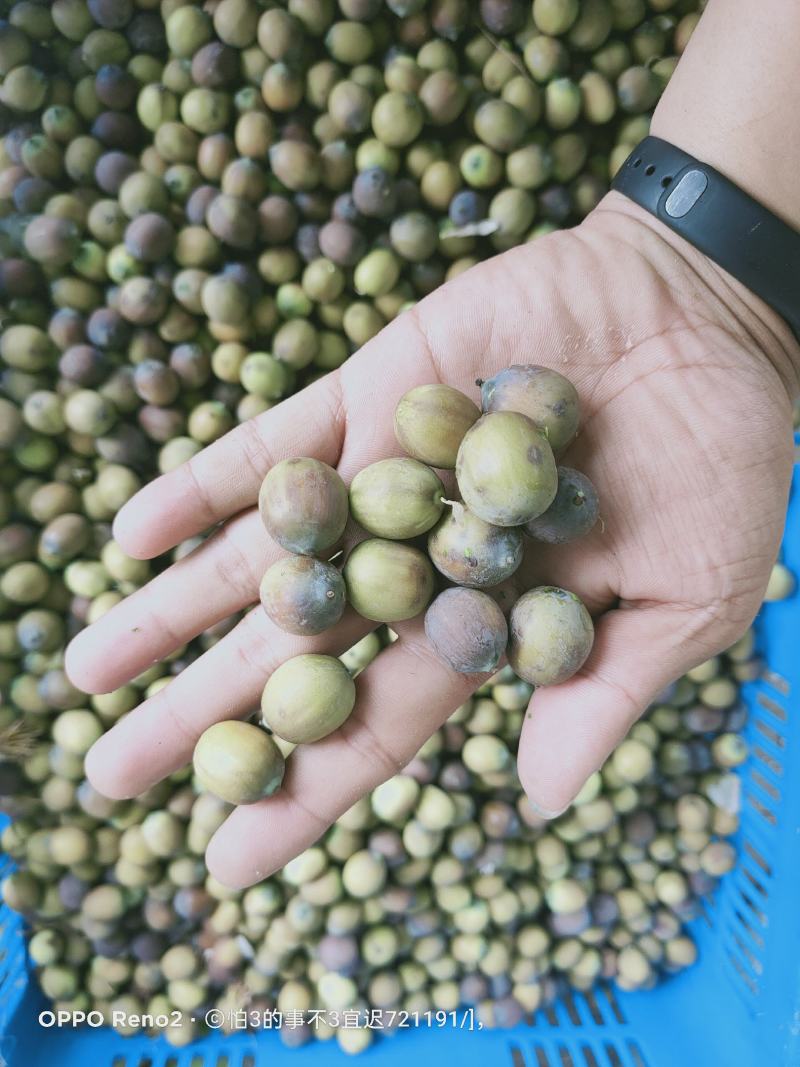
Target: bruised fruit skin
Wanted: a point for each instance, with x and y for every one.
(303, 504)
(544, 395)
(303, 595)
(551, 635)
(572, 514)
(505, 469)
(430, 422)
(238, 762)
(467, 630)
(307, 698)
(472, 552)
(387, 581)
(396, 498)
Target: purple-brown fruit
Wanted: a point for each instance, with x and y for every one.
(303, 504)
(150, 237)
(572, 514)
(52, 240)
(548, 398)
(472, 552)
(303, 595)
(467, 630)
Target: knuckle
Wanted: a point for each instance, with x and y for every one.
(256, 451)
(198, 489)
(371, 750)
(252, 647)
(233, 565)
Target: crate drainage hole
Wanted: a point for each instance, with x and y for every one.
(771, 735)
(769, 761)
(751, 984)
(764, 784)
(589, 1057)
(636, 1055)
(772, 706)
(755, 936)
(778, 682)
(612, 1000)
(614, 1057)
(572, 1011)
(767, 815)
(754, 882)
(594, 1008)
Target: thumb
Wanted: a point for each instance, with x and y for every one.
(571, 729)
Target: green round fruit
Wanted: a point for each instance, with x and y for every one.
(387, 581)
(303, 504)
(555, 16)
(544, 395)
(551, 635)
(303, 595)
(505, 469)
(467, 629)
(307, 698)
(238, 762)
(396, 498)
(430, 422)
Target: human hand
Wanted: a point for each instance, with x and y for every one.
(685, 383)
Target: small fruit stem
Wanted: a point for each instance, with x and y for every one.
(450, 503)
(336, 555)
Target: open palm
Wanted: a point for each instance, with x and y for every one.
(685, 387)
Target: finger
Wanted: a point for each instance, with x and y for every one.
(584, 567)
(217, 579)
(225, 477)
(159, 736)
(403, 697)
(571, 729)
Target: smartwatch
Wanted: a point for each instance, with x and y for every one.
(718, 218)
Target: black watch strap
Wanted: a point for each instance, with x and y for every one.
(719, 219)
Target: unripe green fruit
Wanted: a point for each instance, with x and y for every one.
(505, 469)
(430, 422)
(387, 581)
(396, 498)
(551, 635)
(238, 762)
(307, 698)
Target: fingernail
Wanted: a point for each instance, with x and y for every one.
(545, 813)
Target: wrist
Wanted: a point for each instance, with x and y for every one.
(732, 101)
(703, 287)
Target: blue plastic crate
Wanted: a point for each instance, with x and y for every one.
(738, 1007)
